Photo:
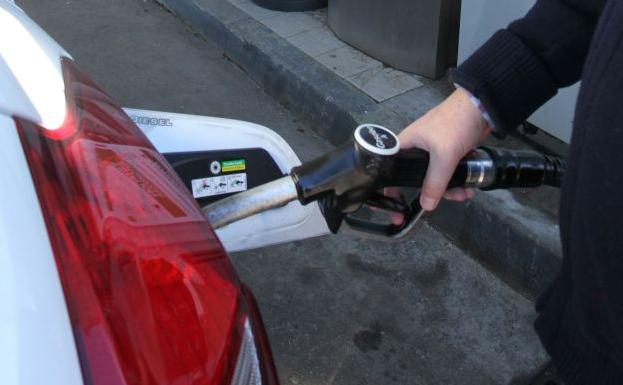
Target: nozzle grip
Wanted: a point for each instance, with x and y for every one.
(410, 168)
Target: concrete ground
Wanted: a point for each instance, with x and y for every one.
(338, 310)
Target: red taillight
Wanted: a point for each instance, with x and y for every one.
(151, 294)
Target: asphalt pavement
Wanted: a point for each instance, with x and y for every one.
(338, 309)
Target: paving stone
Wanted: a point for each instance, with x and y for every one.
(316, 42)
(384, 83)
(321, 15)
(347, 61)
(255, 11)
(288, 24)
(415, 103)
(227, 12)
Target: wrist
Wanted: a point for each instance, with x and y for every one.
(471, 108)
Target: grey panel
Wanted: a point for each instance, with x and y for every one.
(419, 36)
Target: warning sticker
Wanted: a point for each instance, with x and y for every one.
(233, 165)
(218, 185)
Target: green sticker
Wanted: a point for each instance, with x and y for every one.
(233, 165)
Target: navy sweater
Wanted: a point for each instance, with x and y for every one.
(556, 44)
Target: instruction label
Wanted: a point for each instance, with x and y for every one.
(218, 185)
(233, 165)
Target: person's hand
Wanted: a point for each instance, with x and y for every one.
(448, 132)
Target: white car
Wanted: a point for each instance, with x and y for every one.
(109, 272)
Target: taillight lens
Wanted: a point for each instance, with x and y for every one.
(152, 296)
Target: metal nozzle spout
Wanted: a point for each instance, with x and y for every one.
(254, 201)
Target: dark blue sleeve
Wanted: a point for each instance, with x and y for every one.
(523, 66)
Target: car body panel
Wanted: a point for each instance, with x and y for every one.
(31, 79)
(36, 341)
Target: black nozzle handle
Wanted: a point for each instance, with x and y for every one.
(350, 172)
(486, 168)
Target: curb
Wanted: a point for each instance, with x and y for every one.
(517, 242)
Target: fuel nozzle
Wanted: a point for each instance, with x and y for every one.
(350, 172)
(350, 176)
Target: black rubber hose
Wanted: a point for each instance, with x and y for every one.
(487, 168)
(519, 168)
